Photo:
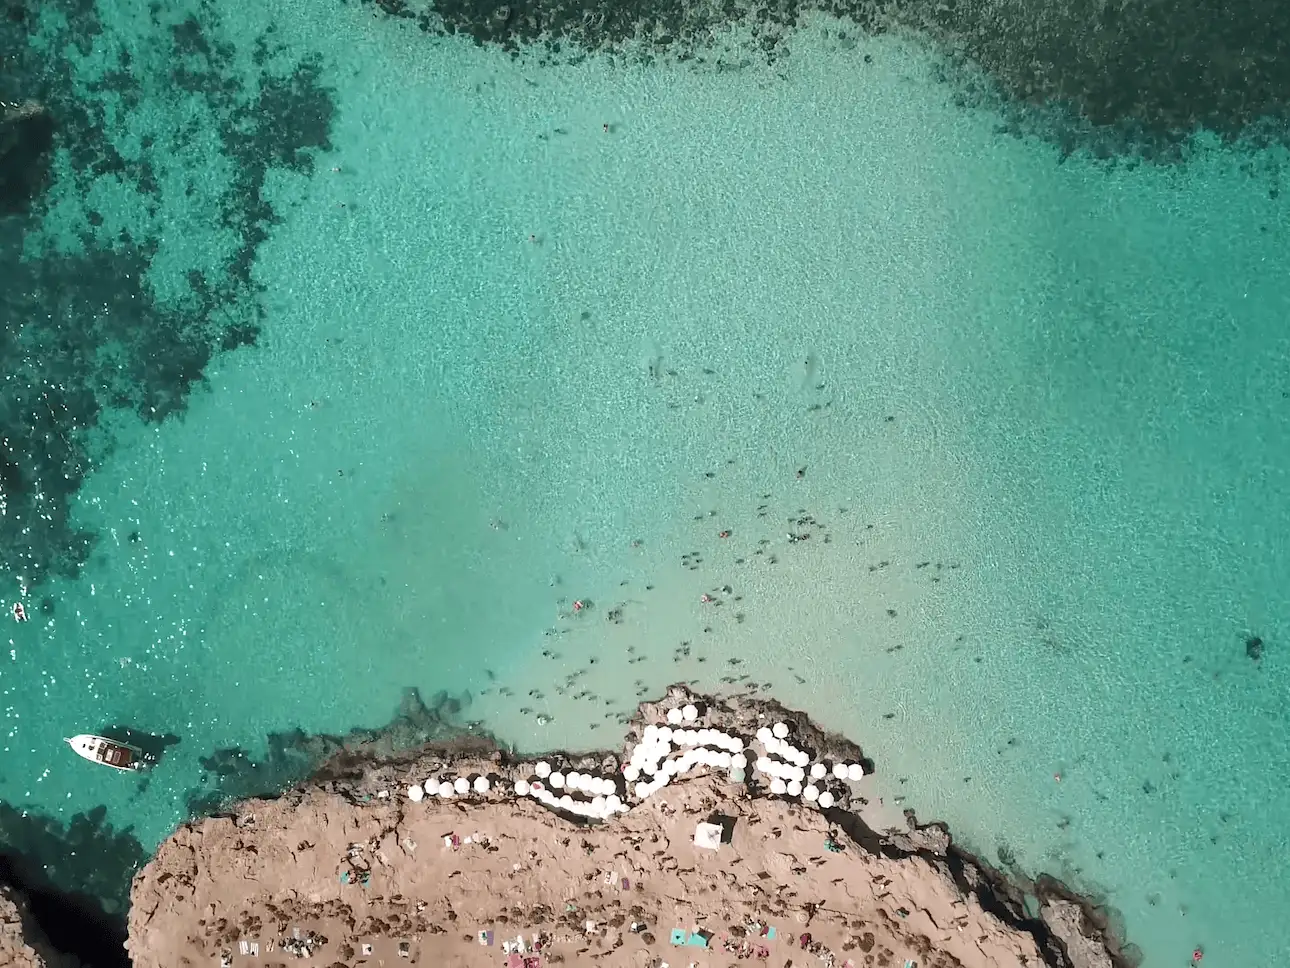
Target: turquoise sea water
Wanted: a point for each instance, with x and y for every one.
(1031, 413)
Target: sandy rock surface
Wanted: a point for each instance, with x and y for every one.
(360, 869)
(395, 882)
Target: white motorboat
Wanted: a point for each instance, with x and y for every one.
(110, 752)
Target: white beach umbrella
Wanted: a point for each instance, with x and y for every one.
(481, 784)
(543, 769)
(415, 792)
(461, 785)
(779, 730)
(689, 712)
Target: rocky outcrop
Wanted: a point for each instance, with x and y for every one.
(1084, 944)
(359, 862)
(22, 943)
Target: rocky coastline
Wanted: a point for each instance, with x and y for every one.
(172, 898)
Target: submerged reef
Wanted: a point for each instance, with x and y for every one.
(90, 324)
(1115, 79)
(26, 137)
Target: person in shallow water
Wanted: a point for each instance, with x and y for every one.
(19, 613)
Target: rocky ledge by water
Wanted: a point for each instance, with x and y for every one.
(432, 857)
(22, 942)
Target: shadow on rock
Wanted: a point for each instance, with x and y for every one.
(26, 137)
(76, 878)
(294, 756)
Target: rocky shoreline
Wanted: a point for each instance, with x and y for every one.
(371, 778)
(23, 943)
(1073, 931)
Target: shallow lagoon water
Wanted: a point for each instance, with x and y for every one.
(1029, 412)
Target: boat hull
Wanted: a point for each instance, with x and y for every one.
(111, 753)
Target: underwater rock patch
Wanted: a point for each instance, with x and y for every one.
(1114, 79)
(87, 330)
(26, 137)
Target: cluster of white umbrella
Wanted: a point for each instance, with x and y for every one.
(652, 767)
(604, 802)
(447, 789)
(788, 773)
